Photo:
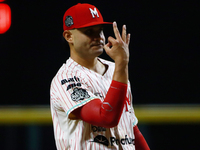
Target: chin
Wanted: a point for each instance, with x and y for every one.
(98, 52)
(97, 48)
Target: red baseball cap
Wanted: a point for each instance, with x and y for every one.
(82, 15)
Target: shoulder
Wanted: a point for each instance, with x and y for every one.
(67, 72)
(71, 72)
(69, 69)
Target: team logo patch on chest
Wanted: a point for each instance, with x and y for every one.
(79, 94)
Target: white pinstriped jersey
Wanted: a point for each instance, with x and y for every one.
(72, 87)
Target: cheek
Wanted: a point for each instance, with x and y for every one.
(80, 42)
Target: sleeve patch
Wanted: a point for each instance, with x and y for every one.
(79, 94)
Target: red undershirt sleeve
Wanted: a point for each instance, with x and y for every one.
(107, 113)
(140, 142)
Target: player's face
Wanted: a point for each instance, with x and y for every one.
(89, 41)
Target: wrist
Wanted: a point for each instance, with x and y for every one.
(118, 84)
(121, 61)
(121, 74)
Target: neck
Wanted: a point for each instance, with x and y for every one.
(88, 63)
(92, 64)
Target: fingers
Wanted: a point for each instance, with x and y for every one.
(124, 37)
(128, 38)
(124, 33)
(110, 43)
(116, 31)
(107, 47)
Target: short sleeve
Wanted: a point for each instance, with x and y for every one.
(69, 92)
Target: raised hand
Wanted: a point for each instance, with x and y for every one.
(118, 48)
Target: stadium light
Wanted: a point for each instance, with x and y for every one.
(5, 17)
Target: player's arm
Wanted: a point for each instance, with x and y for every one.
(140, 142)
(119, 52)
(108, 112)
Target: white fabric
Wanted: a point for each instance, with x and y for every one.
(72, 87)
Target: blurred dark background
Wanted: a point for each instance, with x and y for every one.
(164, 62)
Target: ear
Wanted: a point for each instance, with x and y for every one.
(67, 34)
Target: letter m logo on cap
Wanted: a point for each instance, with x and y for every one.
(94, 12)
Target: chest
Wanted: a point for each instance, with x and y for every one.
(98, 84)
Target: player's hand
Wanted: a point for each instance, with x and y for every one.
(118, 48)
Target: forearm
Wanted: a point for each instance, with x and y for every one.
(108, 112)
(113, 104)
(140, 142)
(121, 72)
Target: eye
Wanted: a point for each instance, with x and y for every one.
(101, 29)
(93, 31)
(89, 32)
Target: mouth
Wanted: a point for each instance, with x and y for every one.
(99, 44)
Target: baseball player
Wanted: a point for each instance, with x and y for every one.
(91, 101)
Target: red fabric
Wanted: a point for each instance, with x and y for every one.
(82, 15)
(108, 112)
(140, 142)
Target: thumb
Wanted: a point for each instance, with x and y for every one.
(111, 40)
(107, 47)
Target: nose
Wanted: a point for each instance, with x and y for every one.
(99, 36)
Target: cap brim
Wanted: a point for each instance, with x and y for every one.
(94, 24)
